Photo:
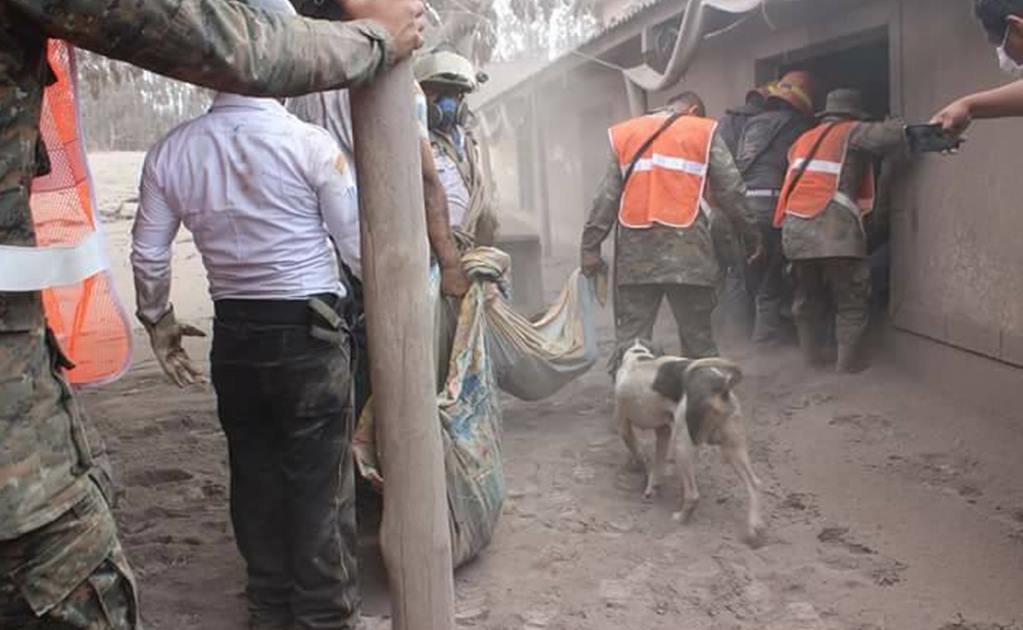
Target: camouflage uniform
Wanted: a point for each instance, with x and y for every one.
(829, 252)
(60, 562)
(661, 261)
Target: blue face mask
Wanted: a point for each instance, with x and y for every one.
(448, 108)
(446, 113)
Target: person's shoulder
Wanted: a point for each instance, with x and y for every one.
(314, 135)
(174, 138)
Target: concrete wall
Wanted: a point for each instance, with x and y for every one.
(958, 262)
(959, 258)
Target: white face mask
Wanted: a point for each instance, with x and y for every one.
(1005, 62)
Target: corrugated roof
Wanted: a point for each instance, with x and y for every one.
(503, 75)
(630, 15)
(631, 12)
(637, 10)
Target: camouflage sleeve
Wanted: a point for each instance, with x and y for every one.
(226, 46)
(879, 138)
(727, 186)
(604, 211)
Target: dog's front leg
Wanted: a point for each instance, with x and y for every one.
(636, 461)
(685, 462)
(736, 453)
(656, 472)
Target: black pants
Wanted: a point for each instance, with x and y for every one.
(283, 398)
(769, 290)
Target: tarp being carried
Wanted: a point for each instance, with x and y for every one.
(493, 348)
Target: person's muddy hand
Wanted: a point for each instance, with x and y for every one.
(165, 337)
(453, 281)
(754, 248)
(591, 264)
(405, 20)
(955, 119)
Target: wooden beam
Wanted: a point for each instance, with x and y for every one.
(415, 535)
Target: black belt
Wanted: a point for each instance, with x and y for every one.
(295, 312)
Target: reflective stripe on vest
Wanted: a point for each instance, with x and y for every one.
(668, 181)
(69, 265)
(819, 183)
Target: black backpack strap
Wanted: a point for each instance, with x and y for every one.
(763, 149)
(649, 141)
(809, 158)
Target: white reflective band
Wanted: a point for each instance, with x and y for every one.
(37, 268)
(847, 202)
(763, 192)
(819, 166)
(672, 164)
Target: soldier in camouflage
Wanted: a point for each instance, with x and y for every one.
(829, 252)
(660, 261)
(61, 565)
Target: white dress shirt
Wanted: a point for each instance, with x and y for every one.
(333, 111)
(260, 191)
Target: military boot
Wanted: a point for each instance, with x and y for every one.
(848, 362)
(808, 344)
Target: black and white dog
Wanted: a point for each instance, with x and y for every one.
(687, 403)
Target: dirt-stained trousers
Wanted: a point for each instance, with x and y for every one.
(283, 399)
(637, 305)
(841, 282)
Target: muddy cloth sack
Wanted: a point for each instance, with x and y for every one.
(535, 359)
(481, 346)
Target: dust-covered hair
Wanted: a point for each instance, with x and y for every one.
(687, 100)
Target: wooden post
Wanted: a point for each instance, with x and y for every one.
(415, 536)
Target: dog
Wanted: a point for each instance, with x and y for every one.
(687, 403)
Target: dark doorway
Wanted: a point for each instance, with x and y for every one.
(859, 61)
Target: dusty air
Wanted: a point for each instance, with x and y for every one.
(511, 315)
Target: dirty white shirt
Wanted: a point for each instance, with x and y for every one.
(332, 110)
(260, 191)
(454, 186)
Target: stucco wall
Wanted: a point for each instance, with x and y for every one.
(958, 252)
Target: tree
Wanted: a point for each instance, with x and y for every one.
(505, 30)
(125, 108)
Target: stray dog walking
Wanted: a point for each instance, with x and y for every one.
(687, 403)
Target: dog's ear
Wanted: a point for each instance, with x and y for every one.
(670, 381)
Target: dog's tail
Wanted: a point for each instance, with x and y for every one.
(732, 369)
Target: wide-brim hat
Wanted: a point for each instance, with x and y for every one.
(845, 103)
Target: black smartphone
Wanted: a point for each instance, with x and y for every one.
(930, 139)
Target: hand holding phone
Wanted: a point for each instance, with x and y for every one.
(931, 139)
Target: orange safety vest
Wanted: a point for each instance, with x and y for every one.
(668, 181)
(82, 307)
(819, 184)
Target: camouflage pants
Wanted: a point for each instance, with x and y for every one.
(841, 282)
(636, 307)
(69, 574)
